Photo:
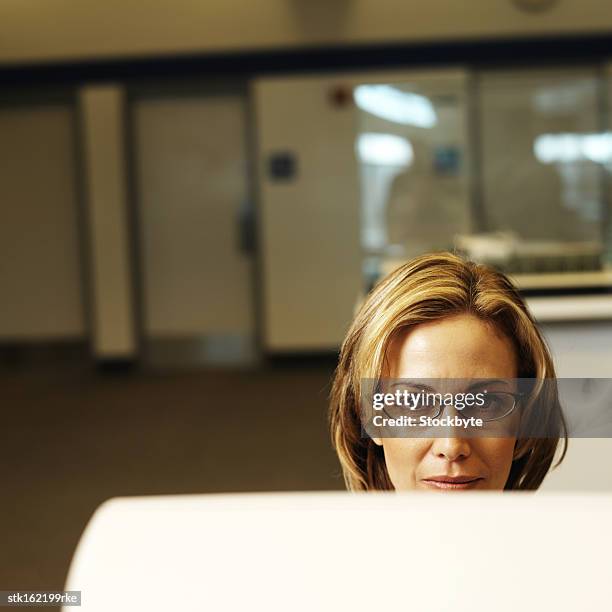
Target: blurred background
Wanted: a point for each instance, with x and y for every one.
(197, 195)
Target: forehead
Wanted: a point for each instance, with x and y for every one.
(461, 346)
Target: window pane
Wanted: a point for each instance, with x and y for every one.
(414, 164)
(541, 154)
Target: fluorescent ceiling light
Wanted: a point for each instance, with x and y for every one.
(565, 148)
(395, 105)
(384, 150)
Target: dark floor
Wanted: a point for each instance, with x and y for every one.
(72, 438)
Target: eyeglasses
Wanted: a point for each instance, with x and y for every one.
(494, 406)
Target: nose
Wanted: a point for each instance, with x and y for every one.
(451, 449)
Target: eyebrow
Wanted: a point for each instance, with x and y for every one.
(476, 385)
(411, 383)
(488, 381)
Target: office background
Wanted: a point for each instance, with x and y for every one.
(196, 196)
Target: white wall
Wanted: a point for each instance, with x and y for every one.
(582, 350)
(60, 29)
(40, 273)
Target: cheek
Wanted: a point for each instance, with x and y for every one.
(496, 454)
(402, 458)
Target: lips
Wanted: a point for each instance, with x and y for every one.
(452, 482)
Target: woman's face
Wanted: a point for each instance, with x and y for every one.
(458, 347)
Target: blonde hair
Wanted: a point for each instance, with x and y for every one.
(429, 288)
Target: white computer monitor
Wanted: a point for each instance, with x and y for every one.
(311, 552)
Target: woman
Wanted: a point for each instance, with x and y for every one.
(441, 317)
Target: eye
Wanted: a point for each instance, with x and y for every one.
(491, 401)
(496, 404)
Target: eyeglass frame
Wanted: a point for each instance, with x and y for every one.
(515, 396)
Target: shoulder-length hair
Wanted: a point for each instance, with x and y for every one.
(429, 288)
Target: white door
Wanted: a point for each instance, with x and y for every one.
(192, 189)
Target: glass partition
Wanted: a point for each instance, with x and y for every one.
(414, 160)
(509, 167)
(541, 156)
